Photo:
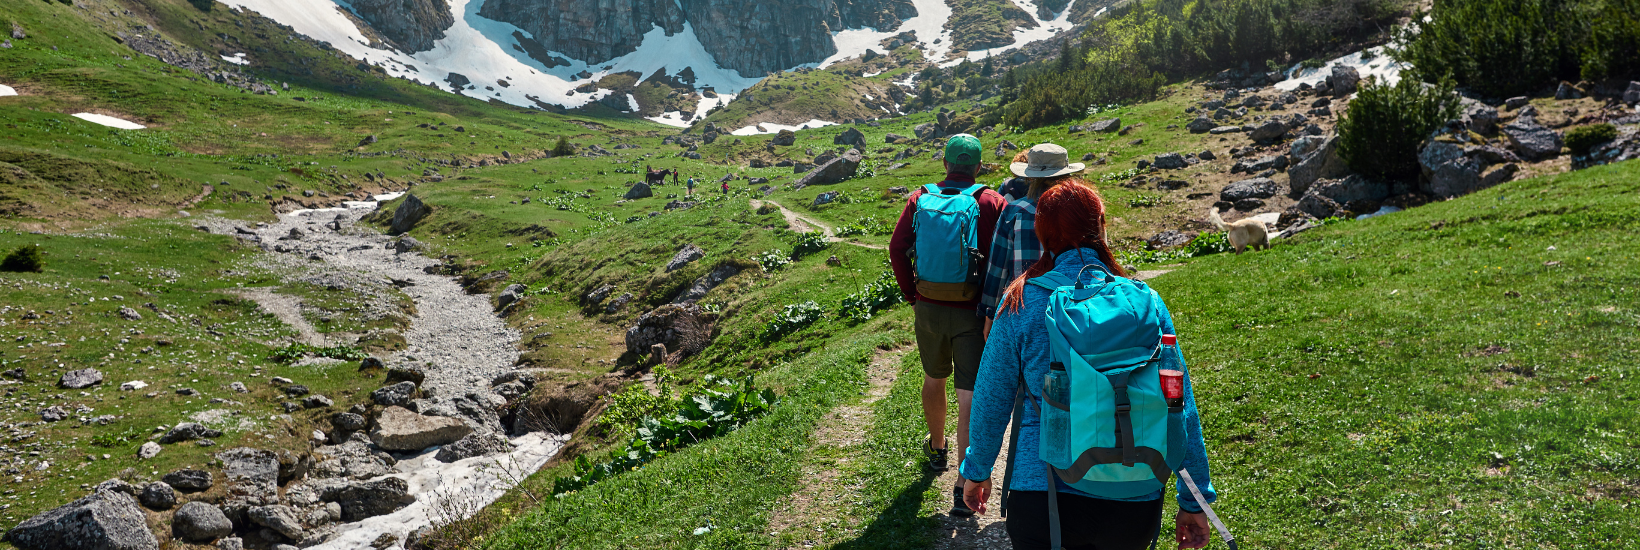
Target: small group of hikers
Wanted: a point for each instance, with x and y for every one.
(1024, 303)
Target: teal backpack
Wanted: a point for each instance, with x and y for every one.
(1107, 429)
(946, 254)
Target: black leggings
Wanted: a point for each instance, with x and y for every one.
(1084, 523)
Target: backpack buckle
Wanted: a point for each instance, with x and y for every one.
(1123, 407)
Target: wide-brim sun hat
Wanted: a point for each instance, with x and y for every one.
(1046, 161)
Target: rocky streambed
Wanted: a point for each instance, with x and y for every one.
(429, 446)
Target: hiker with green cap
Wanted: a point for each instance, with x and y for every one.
(938, 256)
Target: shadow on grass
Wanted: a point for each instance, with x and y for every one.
(901, 525)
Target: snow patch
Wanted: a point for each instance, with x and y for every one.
(1376, 64)
(384, 197)
(1043, 30)
(632, 102)
(476, 481)
(237, 59)
(872, 74)
(770, 128)
(928, 25)
(109, 121)
(670, 118)
(7, 90)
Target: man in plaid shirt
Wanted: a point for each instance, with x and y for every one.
(1014, 247)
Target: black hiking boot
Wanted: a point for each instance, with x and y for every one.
(936, 457)
(959, 508)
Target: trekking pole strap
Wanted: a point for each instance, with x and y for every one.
(1224, 532)
(1013, 445)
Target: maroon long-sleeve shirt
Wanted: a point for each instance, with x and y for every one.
(899, 246)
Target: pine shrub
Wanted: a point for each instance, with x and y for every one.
(26, 258)
(563, 148)
(1379, 135)
(1583, 139)
(1508, 48)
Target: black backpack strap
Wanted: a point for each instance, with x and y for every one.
(1053, 509)
(1013, 445)
(1124, 418)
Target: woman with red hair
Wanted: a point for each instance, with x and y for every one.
(1070, 223)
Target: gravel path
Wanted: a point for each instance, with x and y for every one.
(803, 224)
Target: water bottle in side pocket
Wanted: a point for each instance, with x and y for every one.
(1056, 418)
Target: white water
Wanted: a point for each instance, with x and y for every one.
(109, 121)
(468, 484)
(1380, 65)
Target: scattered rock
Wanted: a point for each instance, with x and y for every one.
(1516, 102)
(53, 414)
(618, 303)
(103, 520)
(317, 402)
(1220, 130)
(406, 244)
(365, 499)
(200, 522)
(851, 136)
(188, 481)
(253, 472)
(1480, 118)
(148, 450)
(511, 294)
(682, 327)
(130, 314)
(1322, 162)
(279, 518)
(296, 390)
(893, 138)
(395, 395)
(348, 422)
(1168, 239)
(1270, 130)
(836, 170)
(688, 253)
(1532, 141)
(1256, 188)
(1343, 80)
(785, 138)
(410, 212)
(230, 543)
(706, 283)
(1567, 91)
(79, 379)
(1202, 124)
(474, 444)
(1108, 125)
(1170, 161)
(187, 431)
(405, 373)
(639, 190)
(398, 429)
(158, 496)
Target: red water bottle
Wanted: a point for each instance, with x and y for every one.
(1172, 372)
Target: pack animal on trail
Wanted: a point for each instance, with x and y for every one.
(656, 177)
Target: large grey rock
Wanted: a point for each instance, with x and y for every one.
(366, 499)
(200, 522)
(188, 431)
(1256, 188)
(688, 253)
(1107, 126)
(1451, 169)
(511, 294)
(148, 450)
(1170, 161)
(475, 444)
(851, 136)
(188, 481)
(79, 379)
(1343, 80)
(683, 327)
(639, 190)
(394, 395)
(53, 414)
(1322, 162)
(158, 496)
(836, 170)
(103, 520)
(281, 519)
(1631, 96)
(410, 212)
(785, 138)
(1317, 206)
(398, 429)
(250, 472)
(1532, 141)
(1270, 130)
(1269, 162)
(706, 283)
(1351, 188)
(1480, 117)
(1201, 125)
(928, 130)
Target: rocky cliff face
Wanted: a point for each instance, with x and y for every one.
(753, 37)
(412, 25)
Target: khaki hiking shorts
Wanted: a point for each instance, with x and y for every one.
(949, 340)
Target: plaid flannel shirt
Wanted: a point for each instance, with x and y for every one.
(1013, 250)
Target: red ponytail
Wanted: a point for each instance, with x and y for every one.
(1070, 215)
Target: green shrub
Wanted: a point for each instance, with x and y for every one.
(26, 258)
(808, 243)
(772, 260)
(1145, 201)
(627, 408)
(294, 352)
(563, 148)
(1380, 132)
(877, 295)
(790, 319)
(1583, 139)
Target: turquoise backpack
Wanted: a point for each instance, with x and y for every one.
(946, 255)
(1122, 439)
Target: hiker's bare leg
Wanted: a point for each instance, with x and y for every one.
(933, 402)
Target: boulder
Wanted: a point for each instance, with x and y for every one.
(252, 472)
(841, 168)
(1268, 131)
(1631, 96)
(685, 255)
(365, 499)
(1269, 162)
(928, 130)
(1302, 147)
(1516, 102)
(1480, 118)
(281, 519)
(1354, 187)
(1317, 206)
(785, 138)
(1322, 162)
(1532, 141)
(348, 422)
(103, 520)
(1170, 161)
(1109, 125)
(851, 136)
(398, 429)
(706, 283)
(1567, 91)
(406, 244)
(158, 496)
(188, 481)
(405, 373)
(395, 395)
(475, 444)
(188, 431)
(410, 212)
(511, 294)
(1451, 169)
(316, 402)
(684, 327)
(148, 450)
(893, 138)
(1202, 124)
(80, 379)
(639, 190)
(1220, 130)
(53, 414)
(132, 315)
(1168, 239)
(200, 522)
(1256, 188)
(825, 198)
(1343, 80)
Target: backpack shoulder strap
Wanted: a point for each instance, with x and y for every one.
(932, 189)
(1052, 280)
(976, 190)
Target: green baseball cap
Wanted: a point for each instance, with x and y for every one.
(962, 149)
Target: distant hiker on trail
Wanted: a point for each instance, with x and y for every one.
(1014, 248)
(725, 188)
(1081, 336)
(675, 176)
(690, 187)
(937, 254)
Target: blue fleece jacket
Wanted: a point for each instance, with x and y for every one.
(1019, 340)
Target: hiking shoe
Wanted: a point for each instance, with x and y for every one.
(936, 457)
(959, 508)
